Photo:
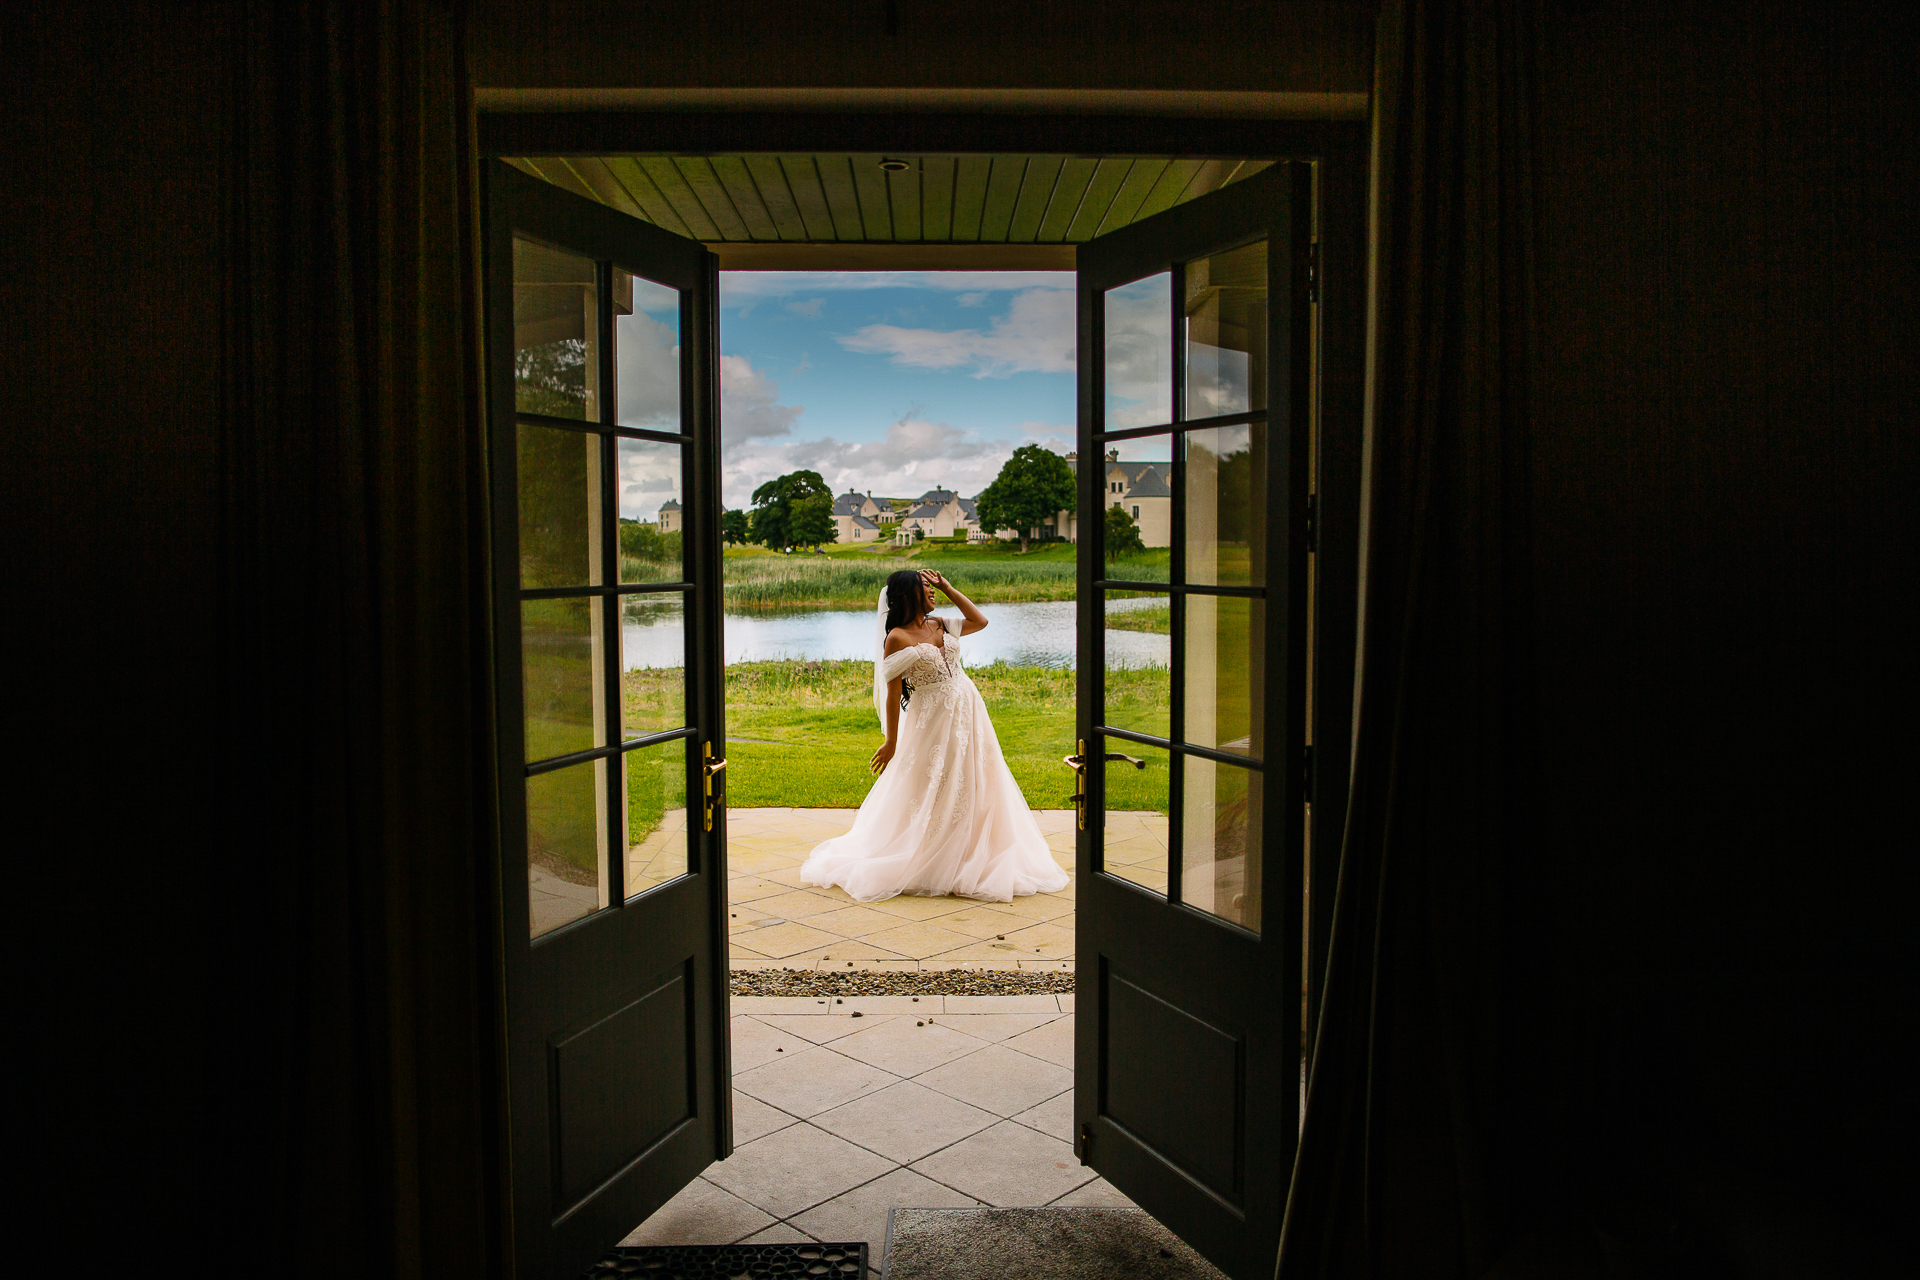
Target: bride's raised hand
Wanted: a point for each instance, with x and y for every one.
(880, 757)
(935, 579)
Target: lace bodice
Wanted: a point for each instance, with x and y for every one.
(927, 665)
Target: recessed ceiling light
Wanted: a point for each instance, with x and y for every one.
(895, 166)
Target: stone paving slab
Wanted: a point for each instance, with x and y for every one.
(846, 1117)
(776, 921)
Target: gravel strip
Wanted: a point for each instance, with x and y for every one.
(951, 982)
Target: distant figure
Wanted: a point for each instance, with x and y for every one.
(946, 815)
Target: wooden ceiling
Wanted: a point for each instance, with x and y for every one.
(850, 199)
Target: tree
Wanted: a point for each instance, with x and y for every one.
(812, 522)
(1122, 533)
(1031, 489)
(733, 527)
(773, 506)
(642, 540)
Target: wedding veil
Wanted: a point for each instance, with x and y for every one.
(879, 658)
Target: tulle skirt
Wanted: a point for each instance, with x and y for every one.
(945, 817)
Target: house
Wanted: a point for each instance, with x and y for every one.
(857, 517)
(670, 516)
(1144, 489)
(940, 513)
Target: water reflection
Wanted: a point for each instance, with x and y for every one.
(1036, 634)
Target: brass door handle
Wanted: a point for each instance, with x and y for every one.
(1078, 763)
(708, 768)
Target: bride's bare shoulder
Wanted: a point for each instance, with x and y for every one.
(898, 639)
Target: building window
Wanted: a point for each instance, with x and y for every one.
(1136, 513)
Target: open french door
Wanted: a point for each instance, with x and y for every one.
(605, 466)
(1194, 370)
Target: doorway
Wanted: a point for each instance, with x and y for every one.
(1227, 891)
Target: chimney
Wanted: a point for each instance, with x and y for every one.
(1113, 455)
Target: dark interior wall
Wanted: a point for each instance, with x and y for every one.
(1290, 46)
(111, 229)
(1725, 585)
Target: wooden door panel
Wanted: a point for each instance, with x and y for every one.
(1187, 1045)
(1175, 1083)
(616, 1019)
(620, 1084)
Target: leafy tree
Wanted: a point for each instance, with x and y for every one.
(1035, 484)
(1122, 533)
(642, 540)
(733, 527)
(552, 378)
(812, 522)
(773, 502)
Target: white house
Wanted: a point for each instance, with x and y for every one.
(670, 516)
(1145, 489)
(940, 513)
(857, 517)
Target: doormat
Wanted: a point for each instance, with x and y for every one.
(1037, 1244)
(856, 982)
(731, 1262)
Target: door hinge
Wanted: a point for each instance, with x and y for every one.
(1313, 271)
(1084, 1147)
(1313, 524)
(1306, 773)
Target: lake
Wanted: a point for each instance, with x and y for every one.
(1036, 634)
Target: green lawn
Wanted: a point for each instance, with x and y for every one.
(800, 733)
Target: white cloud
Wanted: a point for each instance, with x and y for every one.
(970, 299)
(1139, 384)
(1036, 335)
(750, 405)
(915, 455)
(647, 371)
(810, 309)
(649, 473)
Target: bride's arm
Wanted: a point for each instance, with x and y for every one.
(885, 751)
(895, 642)
(972, 619)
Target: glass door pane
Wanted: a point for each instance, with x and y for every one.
(1220, 833)
(1226, 347)
(1139, 342)
(556, 332)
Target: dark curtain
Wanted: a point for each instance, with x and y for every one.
(353, 1072)
(1399, 1147)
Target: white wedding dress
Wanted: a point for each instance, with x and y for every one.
(945, 816)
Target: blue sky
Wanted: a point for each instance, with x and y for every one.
(895, 382)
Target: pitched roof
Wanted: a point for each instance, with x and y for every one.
(1150, 481)
(861, 522)
(849, 504)
(926, 511)
(670, 505)
(938, 496)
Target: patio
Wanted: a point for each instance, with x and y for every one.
(846, 1108)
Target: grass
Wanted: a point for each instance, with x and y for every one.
(1158, 620)
(850, 577)
(800, 733)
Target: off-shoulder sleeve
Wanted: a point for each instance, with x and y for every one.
(953, 625)
(894, 665)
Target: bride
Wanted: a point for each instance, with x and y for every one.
(945, 816)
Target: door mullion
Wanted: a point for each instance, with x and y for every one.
(608, 498)
(1177, 580)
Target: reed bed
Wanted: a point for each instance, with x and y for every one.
(771, 583)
